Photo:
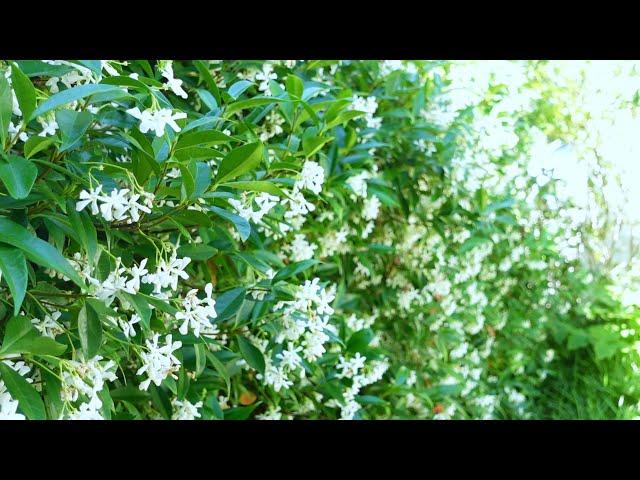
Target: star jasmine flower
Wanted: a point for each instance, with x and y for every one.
(173, 83)
(197, 312)
(48, 127)
(127, 326)
(184, 410)
(157, 120)
(159, 362)
(49, 327)
(265, 76)
(115, 205)
(135, 208)
(137, 272)
(90, 197)
(8, 406)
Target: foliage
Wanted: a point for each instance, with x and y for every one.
(287, 239)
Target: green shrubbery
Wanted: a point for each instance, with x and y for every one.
(310, 239)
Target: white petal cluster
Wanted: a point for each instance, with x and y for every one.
(311, 177)
(49, 326)
(300, 249)
(159, 362)
(87, 378)
(197, 313)
(168, 272)
(358, 183)
(174, 84)
(8, 406)
(264, 77)
(118, 205)
(185, 410)
(157, 120)
(368, 105)
(245, 209)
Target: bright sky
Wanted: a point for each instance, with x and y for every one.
(616, 128)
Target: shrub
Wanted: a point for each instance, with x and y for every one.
(287, 239)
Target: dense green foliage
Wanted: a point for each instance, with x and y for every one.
(310, 239)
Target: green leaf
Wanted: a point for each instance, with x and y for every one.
(24, 90)
(229, 302)
(21, 337)
(18, 329)
(206, 137)
(13, 266)
(37, 250)
(360, 340)
(72, 125)
(6, 108)
(293, 269)
(214, 405)
(70, 95)
(344, 117)
(200, 174)
(294, 86)
(140, 305)
(35, 144)
(220, 368)
(160, 400)
(201, 358)
(83, 226)
(28, 398)
(311, 142)
(208, 79)
(126, 82)
(256, 186)
(237, 88)
(239, 161)
(241, 224)
(18, 176)
(251, 103)
(90, 331)
(197, 251)
(240, 413)
(251, 354)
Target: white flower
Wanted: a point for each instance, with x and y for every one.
(115, 205)
(350, 367)
(459, 351)
(135, 208)
(159, 362)
(272, 414)
(358, 183)
(371, 208)
(311, 177)
(369, 106)
(127, 326)
(137, 272)
(301, 249)
(289, 358)
(185, 410)
(87, 378)
(49, 327)
(168, 273)
(197, 312)
(8, 406)
(276, 377)
(156, 120)
(173, 83)
(90, 197)
(48, 127)
(86, 412)
(265, 76)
